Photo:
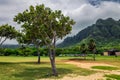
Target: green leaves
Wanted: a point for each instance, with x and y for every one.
(7, 32)
(42, 23)
(91, 45)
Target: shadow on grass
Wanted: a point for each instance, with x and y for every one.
(31, 72)
(39, 73)
(80, 59)
(1, 63)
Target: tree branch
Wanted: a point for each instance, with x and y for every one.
(3, 41)
(1, 38)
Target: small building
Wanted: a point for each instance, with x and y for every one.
(106, 54)
(112, 52)
(117, 53)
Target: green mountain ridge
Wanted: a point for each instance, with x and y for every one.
(104, 32)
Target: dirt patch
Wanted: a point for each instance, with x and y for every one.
(87, 65)
(97, 76)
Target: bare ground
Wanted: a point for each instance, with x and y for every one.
(97, 76)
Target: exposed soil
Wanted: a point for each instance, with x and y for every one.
(97, 76)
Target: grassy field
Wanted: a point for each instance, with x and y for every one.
(26, 68)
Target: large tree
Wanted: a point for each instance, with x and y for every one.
(40, 23)
(7, 32)
(56, 27)
(31, 23)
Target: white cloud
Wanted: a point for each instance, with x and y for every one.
(80, 10)
(87, 14)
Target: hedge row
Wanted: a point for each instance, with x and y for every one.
(33, 52)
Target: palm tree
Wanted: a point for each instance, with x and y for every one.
(83, 50)
(92, 47)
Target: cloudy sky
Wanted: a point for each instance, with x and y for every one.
(81, 11)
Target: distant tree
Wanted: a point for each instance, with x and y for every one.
(41, 24)
(83, 50)
(92, 47)
(7, 32)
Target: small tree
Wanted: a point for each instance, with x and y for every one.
(92, 47)
(7, 32)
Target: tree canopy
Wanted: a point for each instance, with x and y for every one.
(7, 32)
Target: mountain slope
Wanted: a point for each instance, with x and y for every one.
(102, 31)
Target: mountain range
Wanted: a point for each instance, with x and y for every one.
(104, 32)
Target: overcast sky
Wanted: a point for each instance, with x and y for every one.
(81, 11)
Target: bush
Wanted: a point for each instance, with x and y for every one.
(1, 52)
(8, 52)
(31, 51)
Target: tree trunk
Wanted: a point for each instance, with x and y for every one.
(94, 54)
(52, 56)
(94, 57)
(1, 42)
(52, 60)
(37, 47)
(84, 55)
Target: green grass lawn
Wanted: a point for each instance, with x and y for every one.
(26, 68)
(105, 67)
